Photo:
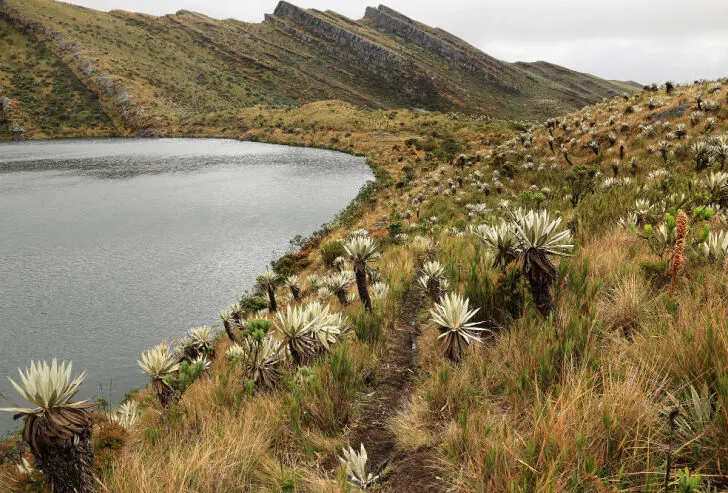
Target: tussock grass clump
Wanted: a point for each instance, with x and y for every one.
(368, 326)
(626, 305)
(410, 425)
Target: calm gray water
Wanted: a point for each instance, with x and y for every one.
(109, 246)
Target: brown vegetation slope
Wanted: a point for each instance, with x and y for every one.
(624, 388)
(150, 72)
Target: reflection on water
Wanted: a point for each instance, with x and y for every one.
(117, 158)
(109, 246)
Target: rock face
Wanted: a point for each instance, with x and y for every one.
(356, 51)
(6, 106)
(448, 48)
(432, 67)
(150, 133)
(357, 47)
(8, 118)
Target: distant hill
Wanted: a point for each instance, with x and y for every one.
(135, 71)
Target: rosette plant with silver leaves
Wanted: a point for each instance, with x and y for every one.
(58, 429)
(457, 332)
(361, 251)
(356, 466)
(159, 363)
(433, 279)
(539, 241)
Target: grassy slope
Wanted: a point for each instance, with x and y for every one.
(576, 404)
(581, 405)
(48, 100)
(155, 71)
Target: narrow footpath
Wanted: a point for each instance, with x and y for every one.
(407, 472)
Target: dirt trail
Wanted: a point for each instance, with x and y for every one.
(409, 472)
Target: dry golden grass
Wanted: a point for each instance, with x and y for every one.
(410, 425)
(563, 441)
(210, 449)
(694, 341)
(594, 419)
(571, 405)
(577, 406)
(611, 255)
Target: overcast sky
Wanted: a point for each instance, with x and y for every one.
(642, 40)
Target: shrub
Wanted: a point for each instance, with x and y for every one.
(450, 147)
(409, 172)
(187, 375)
(331, 251)
(253, 304)
(509, 289)
(108, 439)
(582, 181)
(291, 263)
(395, 229)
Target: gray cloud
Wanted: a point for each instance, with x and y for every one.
(641, 40)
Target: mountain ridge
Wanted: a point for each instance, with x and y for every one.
(149, 73)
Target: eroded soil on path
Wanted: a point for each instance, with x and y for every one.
(401, 472)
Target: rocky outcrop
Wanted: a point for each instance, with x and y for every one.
(9, 118)
(340, 37)
(17, 132)
(392, 22)
(447, 47)
(150, 133)
(356, 51)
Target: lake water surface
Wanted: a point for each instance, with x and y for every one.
(109, 246)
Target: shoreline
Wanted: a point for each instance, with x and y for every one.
(319, 233)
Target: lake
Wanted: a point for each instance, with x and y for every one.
(107, 247)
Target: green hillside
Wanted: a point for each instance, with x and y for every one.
(150, 73)
(42, 96)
